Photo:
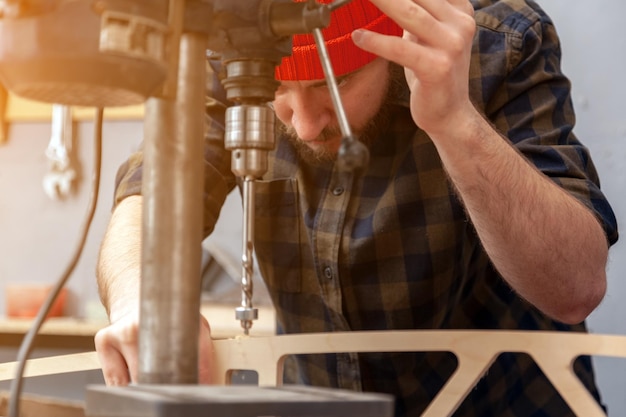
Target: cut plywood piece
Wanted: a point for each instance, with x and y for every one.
(554, 352)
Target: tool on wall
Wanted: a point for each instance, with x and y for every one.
(57, 183)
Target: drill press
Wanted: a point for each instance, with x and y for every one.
(252, 40)
(250, 61)
(154, 50)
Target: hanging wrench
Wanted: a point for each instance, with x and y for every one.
(57, 183)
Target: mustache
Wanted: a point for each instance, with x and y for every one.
(328, 133)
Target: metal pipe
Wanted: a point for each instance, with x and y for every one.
(172, 220)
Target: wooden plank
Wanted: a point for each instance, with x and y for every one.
(52, 365)
(554, 352)
(39, 406)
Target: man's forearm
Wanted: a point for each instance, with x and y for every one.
(547, 245)
(119, 263)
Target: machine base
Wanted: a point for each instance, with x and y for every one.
(233, 401)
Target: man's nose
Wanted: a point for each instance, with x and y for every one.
(309, 114)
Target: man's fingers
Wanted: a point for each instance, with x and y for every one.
(417, 20)
(463, 5)
(405, 12)
(117, 350)
(206, 354)
(114, 366)
(393, 48)
(431, 21)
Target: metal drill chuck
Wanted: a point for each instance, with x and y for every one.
(250, 132)
(250, 136)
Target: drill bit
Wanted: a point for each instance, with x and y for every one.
(246, 313)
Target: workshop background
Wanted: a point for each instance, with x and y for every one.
(38, 234)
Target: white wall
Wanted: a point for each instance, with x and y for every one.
(39, 235)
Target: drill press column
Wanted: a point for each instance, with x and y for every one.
(171, 249)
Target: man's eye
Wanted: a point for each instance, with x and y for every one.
(341, 82)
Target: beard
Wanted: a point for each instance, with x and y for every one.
(315, 157)
(367, 134)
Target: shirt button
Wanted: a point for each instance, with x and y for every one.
(338, 190)
(328, 272)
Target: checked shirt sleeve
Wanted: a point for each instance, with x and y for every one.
(530, 104)
(218, 179)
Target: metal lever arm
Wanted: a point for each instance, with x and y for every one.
(353, 155)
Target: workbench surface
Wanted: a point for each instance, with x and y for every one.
(75, 333)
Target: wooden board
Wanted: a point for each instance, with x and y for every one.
(554, 353)
(38, 406)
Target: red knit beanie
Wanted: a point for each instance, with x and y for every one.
(345, 56)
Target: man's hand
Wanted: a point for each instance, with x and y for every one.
(118, 352)
(118, 281)
(435, 52)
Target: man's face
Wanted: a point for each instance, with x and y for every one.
(306, 111)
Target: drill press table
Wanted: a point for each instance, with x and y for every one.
(233, 401)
